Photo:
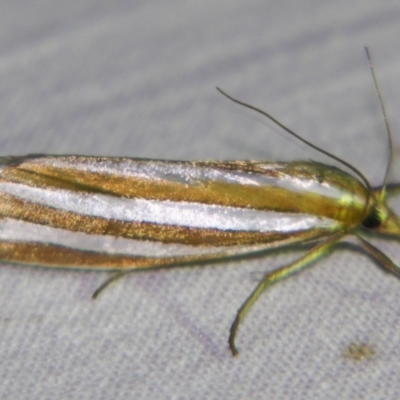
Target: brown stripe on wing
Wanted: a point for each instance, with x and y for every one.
(50, 255)
(15, 208)
(53, 255)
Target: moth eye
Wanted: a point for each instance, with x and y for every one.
(373, 220)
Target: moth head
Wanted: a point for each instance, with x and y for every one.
(381, 218)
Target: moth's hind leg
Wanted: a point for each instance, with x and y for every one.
(275, 276)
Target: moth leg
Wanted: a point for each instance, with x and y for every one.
(275, 276)
(184, 261)
(115, 276)
(381, 258)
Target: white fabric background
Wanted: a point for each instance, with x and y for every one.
(138, 79)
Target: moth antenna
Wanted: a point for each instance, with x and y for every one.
(297, 136)
(385, 118)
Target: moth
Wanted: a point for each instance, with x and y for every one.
(129, 214)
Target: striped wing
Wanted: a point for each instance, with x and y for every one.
(119, 213)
